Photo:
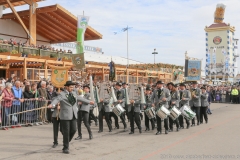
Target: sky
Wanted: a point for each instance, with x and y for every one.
(171, 26)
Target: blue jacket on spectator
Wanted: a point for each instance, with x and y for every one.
(18, 94)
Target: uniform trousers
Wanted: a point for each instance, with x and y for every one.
(197, 111)
(100, 119)
(172, 121)
(56, 125)
(107, 118)
(85, 116)
(134, 116)
(147, 121)
(68, 130)
(159, 124)
(203, 114)
(181, 123)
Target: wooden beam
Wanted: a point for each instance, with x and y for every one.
(61, 32)
(32, 21)
(58, 25)
(26, 12)
(18, 17)
(39, 31)
(3, 2)
(25, 68)
(29, 2)
(65, 21)
(48, 30)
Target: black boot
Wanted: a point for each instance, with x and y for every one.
(79, 137)
(90, 136)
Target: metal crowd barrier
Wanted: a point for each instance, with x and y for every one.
(14, 113)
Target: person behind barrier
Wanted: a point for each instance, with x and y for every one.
(28, 104)
(18, 99)
(7, 97)
(43, 96)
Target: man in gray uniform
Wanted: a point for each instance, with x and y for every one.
(161, 96)
(84, 113)
(175, 98)
(185, 97)
(68, 113)
(134, 110)
(195, 102)
(119, 92)
(204, 105)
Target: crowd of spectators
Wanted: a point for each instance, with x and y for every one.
(14, 42)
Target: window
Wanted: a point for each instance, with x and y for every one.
(206, 44)
(206, 34)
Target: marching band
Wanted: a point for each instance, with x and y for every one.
(171, 104)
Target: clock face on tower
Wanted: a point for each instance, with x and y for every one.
(217, 40)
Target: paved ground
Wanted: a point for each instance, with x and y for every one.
(219, 139)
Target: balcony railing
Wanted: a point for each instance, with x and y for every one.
(25, 51)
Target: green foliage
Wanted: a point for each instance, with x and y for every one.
(2, 50)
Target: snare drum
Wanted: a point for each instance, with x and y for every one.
(118, 110)
(174, 113)
(187, 112)
(162, 112)
(150, 112)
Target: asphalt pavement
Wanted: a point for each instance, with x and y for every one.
(219, 139)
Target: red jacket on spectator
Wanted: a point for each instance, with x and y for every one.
(7, 98)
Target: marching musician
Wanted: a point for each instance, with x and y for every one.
(119, 92)
(204, 105)
(125, 86)
(134, 111)
(56, 124)
(161, 96)
(68, 113)
(195, 102)
(175, 98)
(185, 97)
(107, 106)
(100, 109)
(84, 113)
(148, 105)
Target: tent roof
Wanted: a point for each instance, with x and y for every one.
(55, 23)
(14, 3)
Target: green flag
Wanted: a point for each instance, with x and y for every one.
(82, 26)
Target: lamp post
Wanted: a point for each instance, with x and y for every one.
(154, 53)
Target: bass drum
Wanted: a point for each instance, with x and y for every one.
(187, 112)
(162, 112)
(118, 110)
(174, 113)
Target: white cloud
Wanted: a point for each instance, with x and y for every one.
(170, 26)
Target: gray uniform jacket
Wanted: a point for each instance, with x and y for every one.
(196, 101)
(186, 95)
(136, 106)
(175, 97)
(148, 99)
(55, 112)
(204, 99)
(120, 96)
(86, 106)
(67, 110)
(106, 106)
(157, 101)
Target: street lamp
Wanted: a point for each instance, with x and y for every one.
(154, 54)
